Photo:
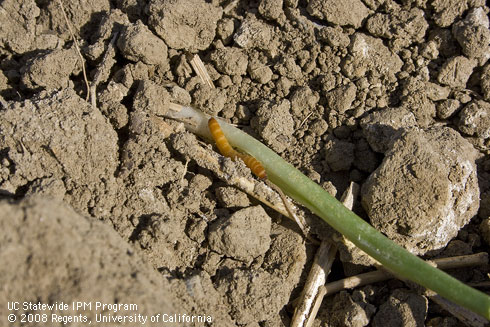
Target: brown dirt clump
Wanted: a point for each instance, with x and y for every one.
(80, 260)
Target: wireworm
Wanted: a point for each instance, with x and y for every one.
(226, 150)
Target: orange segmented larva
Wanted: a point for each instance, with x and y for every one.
(225, 149)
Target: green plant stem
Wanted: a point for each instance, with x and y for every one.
(393, 257)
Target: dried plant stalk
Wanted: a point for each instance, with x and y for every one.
(311, 297)
(77, 47)
(381, 275)
(201, 71)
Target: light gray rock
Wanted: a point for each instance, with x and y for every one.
(369, 54)
(57, 255)
(472, 33)
(339, 154)
(446, 108)
(303, 99)
(232, 197)
(474, 119)
(446, 11)
(341, 98)
(62, 137)
(252, 33)
(51, 70)
(151, 98)
(456, 71)
(184, 24)
(137, 43)
(274, 123)
(382, 127)
(350, 312)
(18, 31)
(230, 61)
(259, 72)
(402, 308)
(271, 9)
(401, 27)
(348, 12)
(243, 236)
(425, 190)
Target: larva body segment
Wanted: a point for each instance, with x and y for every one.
(221, 142)
(254, 165)
(226, 150)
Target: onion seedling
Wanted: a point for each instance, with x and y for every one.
(393, 257)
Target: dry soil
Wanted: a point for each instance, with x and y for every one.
(104, 203)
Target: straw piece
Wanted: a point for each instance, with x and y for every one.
(201, 71)
(103, 67)
(381, 275)
(175, 107)
(312, 295)
(87, 84)
(464, 315)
